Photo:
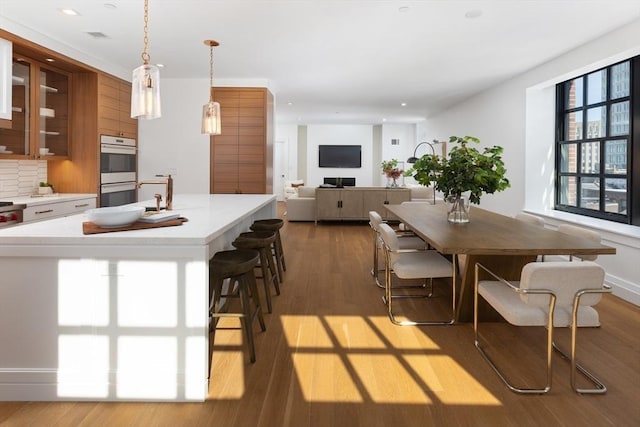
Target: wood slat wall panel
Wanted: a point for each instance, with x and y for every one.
(244, 124)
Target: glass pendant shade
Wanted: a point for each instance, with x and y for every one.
(145, 92)
(211, 118)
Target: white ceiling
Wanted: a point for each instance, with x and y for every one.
(336, 61)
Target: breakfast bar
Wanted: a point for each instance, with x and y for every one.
(120, 316)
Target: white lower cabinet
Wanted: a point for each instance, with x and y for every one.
(58, 208)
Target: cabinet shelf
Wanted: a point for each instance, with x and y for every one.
(47, 112)
(48, 89)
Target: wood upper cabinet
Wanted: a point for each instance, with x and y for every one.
(99, 101)
(41, 106)
(114, 108)
(242, 155)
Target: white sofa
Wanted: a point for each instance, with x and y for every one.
(302, 205)
(291, 187)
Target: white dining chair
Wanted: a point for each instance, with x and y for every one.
(413, 264)
(548, 294)
(407, 240)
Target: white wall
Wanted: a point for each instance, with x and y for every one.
(285, 155)
(519, 115)
(173, 143)
(406, 134)
(370, 173)
(340, 135)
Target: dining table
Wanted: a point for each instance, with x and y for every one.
(501, 243)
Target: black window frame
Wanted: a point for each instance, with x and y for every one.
(632, 215)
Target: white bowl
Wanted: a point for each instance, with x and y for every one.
(115, 216)
(44, 151)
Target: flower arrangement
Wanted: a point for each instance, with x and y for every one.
(391, 170)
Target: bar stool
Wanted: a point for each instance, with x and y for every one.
(274, 224)
(262, 241)
(237, 266)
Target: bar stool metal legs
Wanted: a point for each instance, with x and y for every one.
(237, 266)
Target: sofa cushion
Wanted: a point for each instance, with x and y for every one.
(293, 183)
(307, 192)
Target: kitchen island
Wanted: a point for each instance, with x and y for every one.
(119, 316)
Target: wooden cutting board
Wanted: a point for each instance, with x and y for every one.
(89, 227)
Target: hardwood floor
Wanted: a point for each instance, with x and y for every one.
(330, 357)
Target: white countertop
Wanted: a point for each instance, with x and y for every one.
(53, 198)
(208, 217)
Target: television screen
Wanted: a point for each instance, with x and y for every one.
(339, 156)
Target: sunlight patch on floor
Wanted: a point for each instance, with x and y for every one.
(305, 332)
(324, 378)
(386, 380)
(229, 332)
(227, 375)
(401, 337)
(353, 332)
(454, 385)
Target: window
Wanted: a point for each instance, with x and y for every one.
(595, 143)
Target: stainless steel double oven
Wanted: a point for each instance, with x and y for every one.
(118, 171)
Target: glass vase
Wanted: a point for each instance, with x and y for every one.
(457, 209)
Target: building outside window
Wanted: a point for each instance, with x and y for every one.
(595, 143)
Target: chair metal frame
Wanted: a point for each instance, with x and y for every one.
(599, 388)
(389, 296)
(377, 245)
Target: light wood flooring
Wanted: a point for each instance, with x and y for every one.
(330, 357)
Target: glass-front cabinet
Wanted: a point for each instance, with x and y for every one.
(40, 112)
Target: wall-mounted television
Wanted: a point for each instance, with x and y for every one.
(339, 156)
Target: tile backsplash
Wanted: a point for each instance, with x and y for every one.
(21, 177)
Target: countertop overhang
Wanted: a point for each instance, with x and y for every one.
(209, 215)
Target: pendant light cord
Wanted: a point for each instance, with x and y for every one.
(211, 74)
(145, 55)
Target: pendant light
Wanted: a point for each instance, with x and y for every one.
(145, 84)
(211, 111)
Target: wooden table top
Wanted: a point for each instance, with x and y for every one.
(490, 233)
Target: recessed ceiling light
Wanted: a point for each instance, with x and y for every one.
(289, 103)
(50, 60)
(403, 9)
(110, 6)
(404, 104)
(70, 12)
(160, 65)
(384, 120)
(473, 13)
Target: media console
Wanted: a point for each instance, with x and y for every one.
(354, 203)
